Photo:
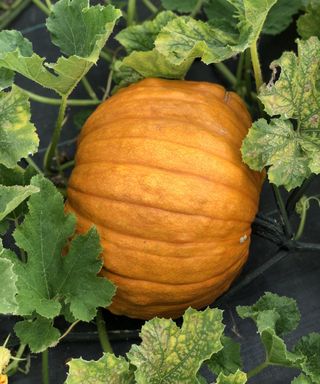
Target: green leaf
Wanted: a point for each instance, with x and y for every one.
(143, 60)
(49, 279)
(173, 355)
(11, 197)
(109, 369)
(281, 16)
(8, 288)
(81, 30)
(308, 24)
(18, 138)
(6, 78)
(141, 37)
(83, 34)
(39, 334)
(184, 38)
(302, 379)
(292, 153)
(274, 316)
(279, 146)
(228, 360)
(236, 378)
(309, 348)
(16, 176)
(182, 6)
(4, 227)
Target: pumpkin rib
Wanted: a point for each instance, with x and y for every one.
(118, 119)
(182, 285)
(207, 102)
(137, 267)
(175, 171)
(254, 176)
(130, 235)
(75, 189)
(217, 126)
(206, 95)
(181, 145)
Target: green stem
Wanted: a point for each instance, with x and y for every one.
(89, 88)
(106, 56)
(49, 4)
(7, 17)
(257, 369)
(14, 365)
(152, 8)
(67, 165)
(256, 65)
(131, 14)
(41, 6)
(197, 8)
(286, 222)
(69, 329)
(54, 101)
(240, 68)
(45, 367)
(103, 336)
(225, 71)
(33, 165)
(302, 223)
(51, 150)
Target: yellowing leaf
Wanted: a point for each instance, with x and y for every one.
(18, 137)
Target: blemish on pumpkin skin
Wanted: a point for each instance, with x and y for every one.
(226, 97)
(243, 238)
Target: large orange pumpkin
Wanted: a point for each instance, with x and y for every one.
(159, 172)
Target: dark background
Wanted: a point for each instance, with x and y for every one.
(296, 274)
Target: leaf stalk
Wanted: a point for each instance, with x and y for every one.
(102, 332)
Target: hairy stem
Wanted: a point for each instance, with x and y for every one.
(69, 329)
(33, 165)
(103, 336)
(152, 8)
(8, 16)
(280, 203)
(54, 101)
(14, 365)
(197, 8)
(131, 14)
(256, 65)
(257, 369)
(45, 367)
(88, 88)
(42, 6)
(225, 71)
(51, 150)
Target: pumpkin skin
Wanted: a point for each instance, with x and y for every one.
(159, 172)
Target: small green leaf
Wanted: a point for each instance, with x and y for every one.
(77, 29)
(6, 78)
(141, 37)
(143, 60)
(4, 227)
(49, 279)
(302, 379)
(16, 176)
(309, 348)
(236, 378)
(173, 355)
(182, 6)
(184, 38)
(281, 16)
(228, 360)
(274, 316)
(18, 138)
(8, 288)
(109, 369)
(39, 334)
(11, 197)
(308, 24)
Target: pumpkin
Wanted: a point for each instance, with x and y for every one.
(159, 172)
